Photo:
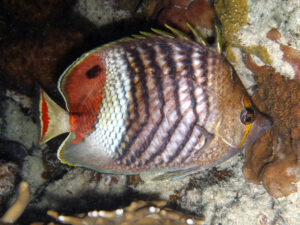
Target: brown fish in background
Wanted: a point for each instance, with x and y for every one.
(151, 104)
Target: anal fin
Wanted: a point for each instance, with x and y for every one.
(84, 154)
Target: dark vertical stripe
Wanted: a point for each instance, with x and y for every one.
(204, 66)
(118, 150)
(167, 51)
(190, 73)
(142, 78)
(183, 159)
(151, 55)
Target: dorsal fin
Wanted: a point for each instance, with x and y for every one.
(198, 36)
(174, 33)
(85, 154)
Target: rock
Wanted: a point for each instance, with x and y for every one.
(274, 158)
(245, 29)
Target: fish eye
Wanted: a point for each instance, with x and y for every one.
(247, 116)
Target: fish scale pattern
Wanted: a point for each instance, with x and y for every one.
(163, 83)
(111, 121)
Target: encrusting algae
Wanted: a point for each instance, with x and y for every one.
(245, 27)
(233, 15)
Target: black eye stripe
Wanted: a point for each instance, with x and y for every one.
(250, 111)
(247, 116)
(248, 119)
(93, 72)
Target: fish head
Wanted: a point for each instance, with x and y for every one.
(241, 123)
(233, 118)
(82, 80)
(82, 87)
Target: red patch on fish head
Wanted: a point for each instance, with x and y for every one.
(44, 115)
(83, 87)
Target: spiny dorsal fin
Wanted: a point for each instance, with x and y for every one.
(178, 33)
(198, 36)
(148, 34)
(138, 36)
(162, 33)
(219, 38)
(174, 33)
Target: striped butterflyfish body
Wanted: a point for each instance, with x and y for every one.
(154, 103)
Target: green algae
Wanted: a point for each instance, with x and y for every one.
(233, 14)
(258, 50)
(230, 56)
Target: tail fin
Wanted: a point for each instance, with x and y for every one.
(54, 120)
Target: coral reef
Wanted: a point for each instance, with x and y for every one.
(134, 180)
(262, 43)
(260, 37)
(233, 15)
(274, 158)
(16, 210)
(139, 213)
(223, 196)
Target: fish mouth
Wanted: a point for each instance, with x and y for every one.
(261, 124)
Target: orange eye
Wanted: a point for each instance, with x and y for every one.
(247, 116)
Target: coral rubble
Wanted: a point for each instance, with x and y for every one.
(139, 213)
(8, 172)
(101, 13)
(16, 210)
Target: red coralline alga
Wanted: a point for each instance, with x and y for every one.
(290, 55)
(274, 158)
